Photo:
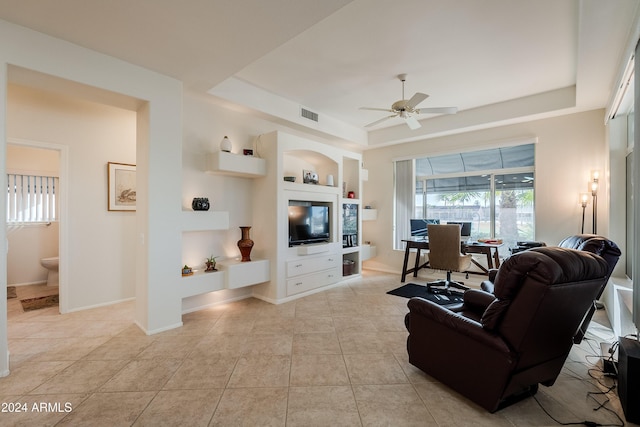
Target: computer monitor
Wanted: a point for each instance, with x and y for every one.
(419, 226)
(465, 228)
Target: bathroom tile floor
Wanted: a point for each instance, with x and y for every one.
(333, 358)
(14, 307)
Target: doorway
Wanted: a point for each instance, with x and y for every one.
(31, 241)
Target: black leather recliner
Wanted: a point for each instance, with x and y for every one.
(496, 348)
(593, 243)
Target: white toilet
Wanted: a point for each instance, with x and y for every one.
(51, 264)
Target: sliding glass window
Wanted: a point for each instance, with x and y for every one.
(491, 189)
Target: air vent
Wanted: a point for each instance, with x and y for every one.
(308, 114)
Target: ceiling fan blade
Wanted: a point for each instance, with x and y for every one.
(416, 99)
(438, 110)
(412, 122)
(381, 120)
(377, 109)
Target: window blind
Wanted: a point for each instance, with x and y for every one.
(31, 198)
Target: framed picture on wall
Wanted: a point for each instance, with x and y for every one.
(121, 186)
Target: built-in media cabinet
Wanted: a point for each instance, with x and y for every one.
(308, 225)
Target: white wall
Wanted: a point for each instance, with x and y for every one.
(101, 246)
(568, 148)
(158, 104)
(28, 244)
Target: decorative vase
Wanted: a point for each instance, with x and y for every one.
(200, 204)
(245, 244)
(225, 144)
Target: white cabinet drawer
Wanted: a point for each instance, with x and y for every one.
(311, 265)
(313, 281)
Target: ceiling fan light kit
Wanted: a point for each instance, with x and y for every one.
(406, 109)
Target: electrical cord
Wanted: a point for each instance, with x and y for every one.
(592, 394)
(582, 423)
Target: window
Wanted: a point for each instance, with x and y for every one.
(492, 189)
(31, 199)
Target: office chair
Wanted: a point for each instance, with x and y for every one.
(444, 254)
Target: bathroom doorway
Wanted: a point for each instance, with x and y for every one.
(35, 226)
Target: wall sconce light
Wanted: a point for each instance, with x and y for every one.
(584, 201)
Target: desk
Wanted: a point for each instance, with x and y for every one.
(489, 249)
(417, 244)
(484, 248)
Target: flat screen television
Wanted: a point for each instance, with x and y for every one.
(309, 222)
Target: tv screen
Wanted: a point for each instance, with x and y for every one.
(309, 222)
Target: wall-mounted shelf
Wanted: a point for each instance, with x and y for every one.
(240, 274)
(201, 283)
(369, 214)
(205, 220)
(368, 252)
(223, 163)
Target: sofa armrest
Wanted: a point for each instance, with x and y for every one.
(477, 300)
(454, 321)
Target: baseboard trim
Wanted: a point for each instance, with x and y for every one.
(5, 370)
(214, 304)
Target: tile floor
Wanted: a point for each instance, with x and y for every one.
(330, 359)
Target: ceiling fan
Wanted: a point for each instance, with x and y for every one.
(406, 109)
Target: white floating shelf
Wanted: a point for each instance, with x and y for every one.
(240, 274)
(201, 283)
(368, 252)
(205, 220)
(369, 214)
(221, 162)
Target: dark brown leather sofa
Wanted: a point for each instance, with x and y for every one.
(496, 348)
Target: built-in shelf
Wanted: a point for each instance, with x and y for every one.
(347, 201)
(368, 252)
(221, 162)
(369, 214)
(350, 249)
(201, 283)
(316, 188)
(231, 274)
(205, 220)
(239, 274)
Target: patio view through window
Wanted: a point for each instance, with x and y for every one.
(491, 189)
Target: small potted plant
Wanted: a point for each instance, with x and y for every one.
(211, 263)
(186, 270)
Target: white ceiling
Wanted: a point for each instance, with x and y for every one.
(498, 61)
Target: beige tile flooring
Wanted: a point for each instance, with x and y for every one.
(333, 358)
